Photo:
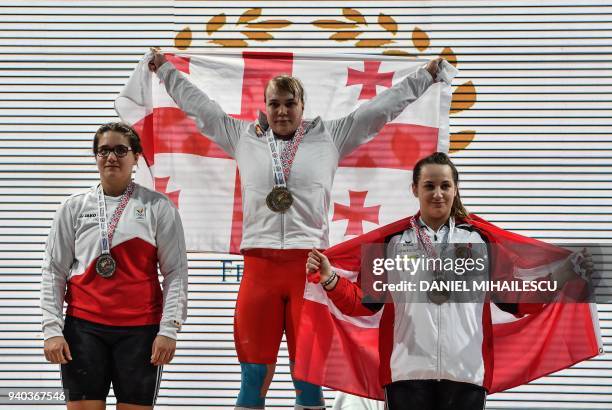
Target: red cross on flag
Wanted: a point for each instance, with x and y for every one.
(372, 184)
(369, 78)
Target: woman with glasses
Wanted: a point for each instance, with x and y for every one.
(102, 257)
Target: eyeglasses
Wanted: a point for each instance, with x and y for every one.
(119, 150)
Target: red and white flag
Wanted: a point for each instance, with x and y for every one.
(372, 184)
(342, 352)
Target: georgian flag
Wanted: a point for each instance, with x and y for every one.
(372, 185)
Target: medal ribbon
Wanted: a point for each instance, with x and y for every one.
(431, 252)
(423, 238)
(108, 230)
(281, 164)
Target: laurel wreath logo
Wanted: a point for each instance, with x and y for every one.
(247, 24)
(347, 28)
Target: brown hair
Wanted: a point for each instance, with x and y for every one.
(121, 128)
(287, 84)
(440, 158)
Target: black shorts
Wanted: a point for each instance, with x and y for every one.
(103, 354)
(434, 395)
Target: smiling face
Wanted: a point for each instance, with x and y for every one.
(114, 171)
(436, 192)
(284, 111)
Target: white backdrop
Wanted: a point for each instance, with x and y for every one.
(532, 124)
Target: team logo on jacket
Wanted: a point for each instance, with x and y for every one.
(407, 248)
(140, 214)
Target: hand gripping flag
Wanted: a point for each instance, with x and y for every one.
(372, 184)
(342, 352)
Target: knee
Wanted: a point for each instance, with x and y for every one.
(254, 382)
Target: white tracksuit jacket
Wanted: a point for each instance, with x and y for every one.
(149, 234)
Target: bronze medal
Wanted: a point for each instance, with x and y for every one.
(461, 252)
(105, 266)
(438, 296)
(279, 199)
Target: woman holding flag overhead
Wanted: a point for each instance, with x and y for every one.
(101, 258)
(287, 166)
(436, 349)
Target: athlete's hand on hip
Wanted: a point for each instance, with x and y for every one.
(57, 350)
(157, 60)
(163, 350)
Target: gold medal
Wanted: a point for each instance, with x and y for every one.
(279, 199)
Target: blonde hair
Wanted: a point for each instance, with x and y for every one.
(288, 84)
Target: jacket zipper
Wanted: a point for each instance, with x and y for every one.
(280, 146)
(439, 339)
(282, 238)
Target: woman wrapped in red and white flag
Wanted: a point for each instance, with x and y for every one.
(438, 352)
